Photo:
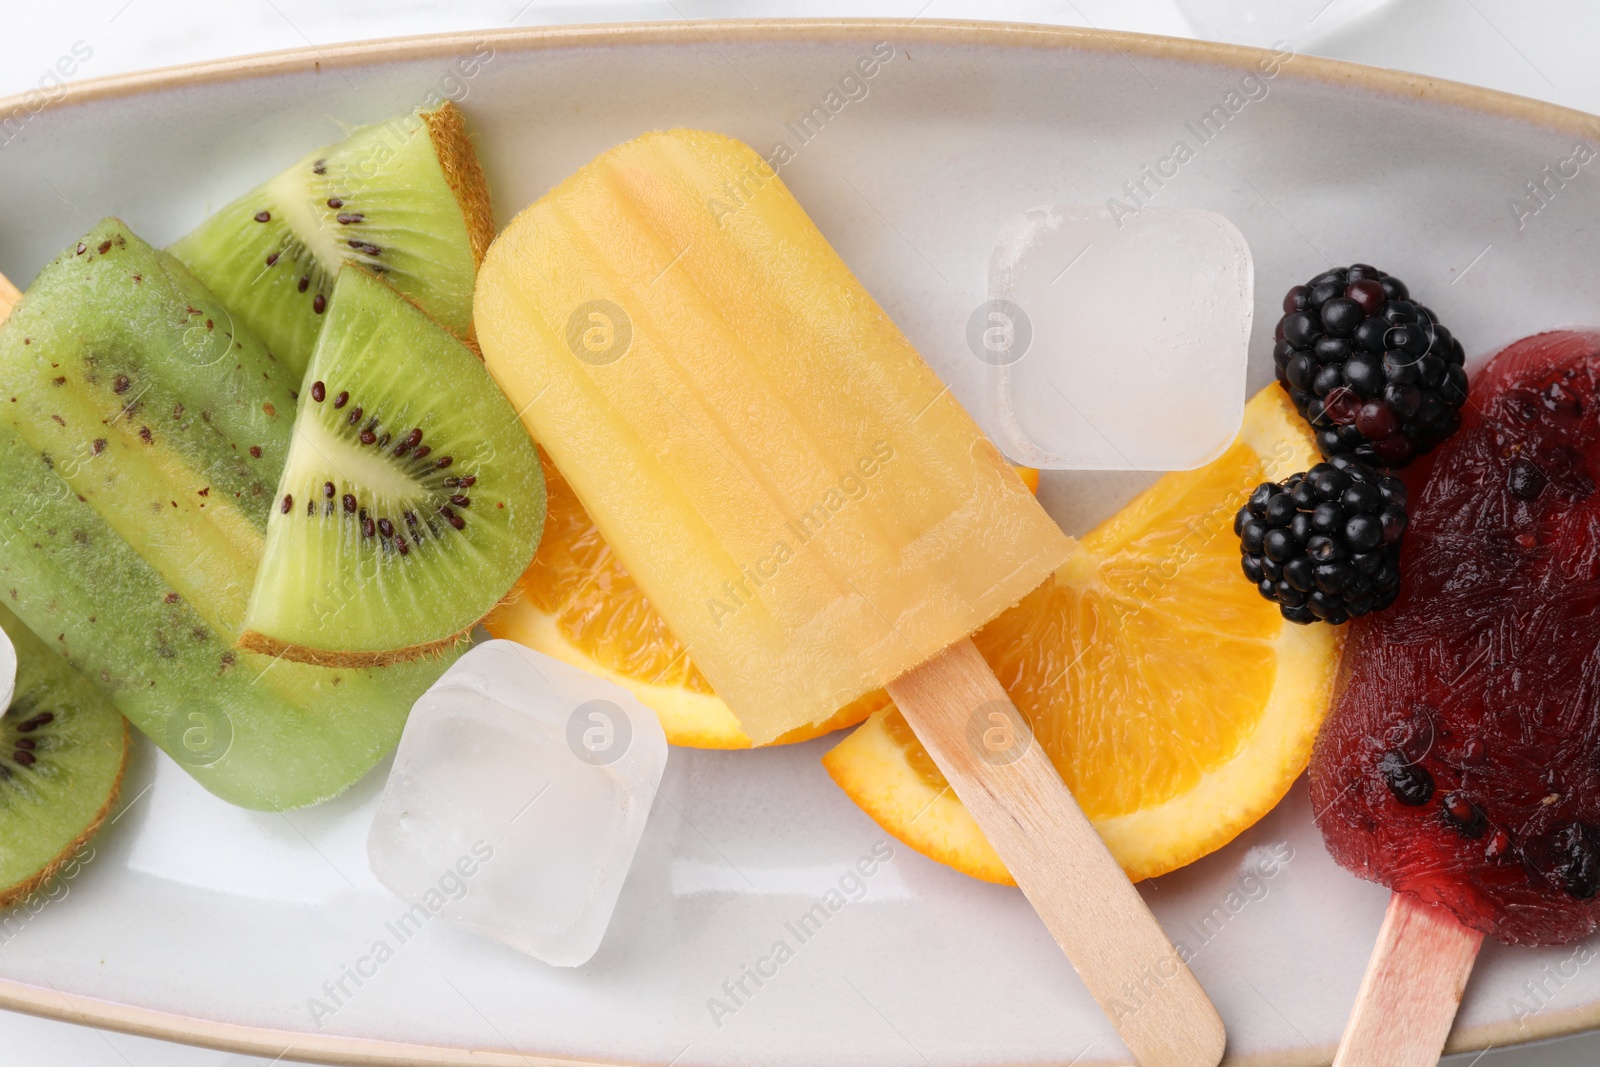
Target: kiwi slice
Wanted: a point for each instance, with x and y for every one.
(411, 499)
(405, 199)
(63, 748)
(143, 432)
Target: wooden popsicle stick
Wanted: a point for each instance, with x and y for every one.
(1412, 988)
(8, 297)
(962, 716)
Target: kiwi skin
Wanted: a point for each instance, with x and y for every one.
(252, 641)
(42, 674)
(464, 174)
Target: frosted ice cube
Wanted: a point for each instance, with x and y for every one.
(517, 799)
(1115, 344)
(8, 671)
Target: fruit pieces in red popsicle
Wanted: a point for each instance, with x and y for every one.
(1461, 762)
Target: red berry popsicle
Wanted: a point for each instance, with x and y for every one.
(1460, 765)
(1460, 761)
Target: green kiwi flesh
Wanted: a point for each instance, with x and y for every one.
(63, 748)
(412, 498)
(142, 432)
(403, 198)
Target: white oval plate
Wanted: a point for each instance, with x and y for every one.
(205, 923)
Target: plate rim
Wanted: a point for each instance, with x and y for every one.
(1308, 67)
(344, 1051)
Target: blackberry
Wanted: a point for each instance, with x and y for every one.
(1325, 544)
(1371, 370)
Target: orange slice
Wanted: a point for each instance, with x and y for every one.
(1177, 704)
(579, 604)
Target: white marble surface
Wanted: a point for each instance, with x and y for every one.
(1538, 50)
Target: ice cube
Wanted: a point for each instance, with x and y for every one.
(8, 671)
(517, 799)
(1115, 343)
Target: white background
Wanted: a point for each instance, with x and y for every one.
(1542, 49)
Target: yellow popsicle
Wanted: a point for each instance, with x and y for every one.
(806, 505)
(796, 492)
